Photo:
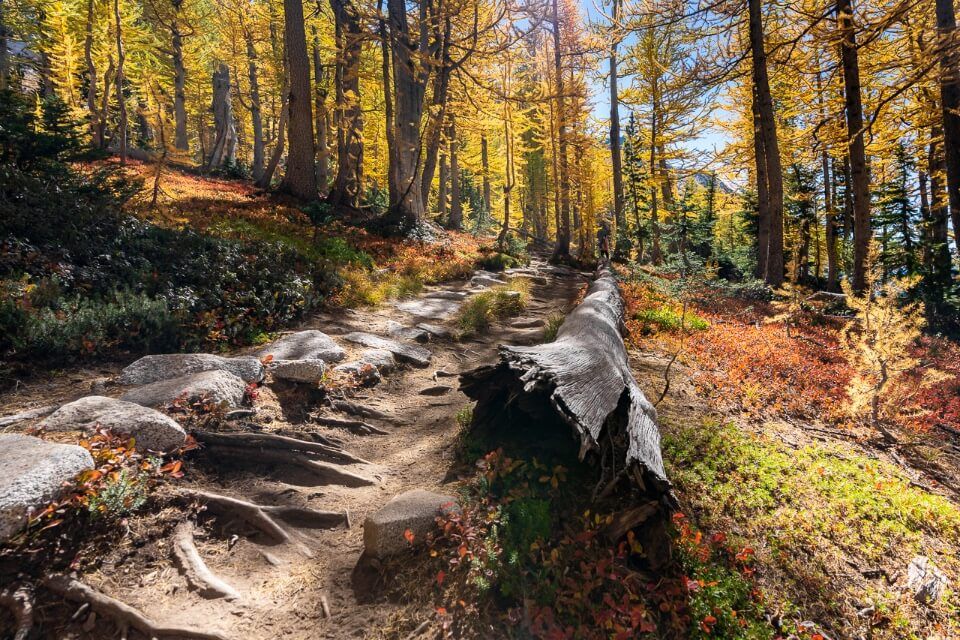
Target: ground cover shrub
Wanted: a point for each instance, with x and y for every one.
(502, 301)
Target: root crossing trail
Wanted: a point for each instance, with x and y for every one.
(278, 543)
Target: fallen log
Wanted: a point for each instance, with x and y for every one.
(582, 380)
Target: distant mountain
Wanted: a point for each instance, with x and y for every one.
(703, 179)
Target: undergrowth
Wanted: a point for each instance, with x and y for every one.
(497, 303)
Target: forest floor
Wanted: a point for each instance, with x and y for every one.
(281, 588)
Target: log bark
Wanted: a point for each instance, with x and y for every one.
(584, 379)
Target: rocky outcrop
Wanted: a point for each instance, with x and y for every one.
(413, 354)
(218, 387)
(173, 365)
(34, 473)
(305, 345)
(150, 429)
(309, 370)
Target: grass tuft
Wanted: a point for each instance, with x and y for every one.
(497, 303)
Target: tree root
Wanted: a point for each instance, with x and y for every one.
(262, 517)
(200, 577)
(19, 601)
(272, 441)
(325, 472)
(123, 614)
(360, 410)
(354, 426)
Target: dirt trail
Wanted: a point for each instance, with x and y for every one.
(284, 587)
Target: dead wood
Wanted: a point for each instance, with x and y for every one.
(198, 575)
(19, 600)
(627, 519)
(258, 441)
(123, 614)
(354, 426)
(584, 379)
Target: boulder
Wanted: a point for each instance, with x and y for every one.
(416, 511)
(435, 330)
(218, 387)
(485, 281)
(150, 429)
(397, 330)
(925, 581)
(309, 370)
(382, 359)
(404, 352)
(173, 365)
(366, 374)
(34, 473)
(305, 345)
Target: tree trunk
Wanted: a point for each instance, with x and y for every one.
(615, 155)
(320, 115)
(224, 149)
(561, 252)
(950, 106)
(939, 240)
(96, 132)
(5, 59)
(300, 177)
(437, 113)
(255, 109)
(456, 206)
(348, 184)
(179, 83)
(860, 187)
(121, 58)
(773, 272)
(442, 188)
(409, 90)
(270, 169)
(485, 167)
(509, 173)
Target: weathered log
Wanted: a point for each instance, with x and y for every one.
(584, 376)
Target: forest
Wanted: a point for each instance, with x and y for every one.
(553, 319)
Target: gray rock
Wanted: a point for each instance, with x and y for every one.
(527, 323)
(218, 387)
(34, 473)
(435, 330)
(150, 429)
(404, 352)
(382, 359)
(437, 390)
(925, 581)
(397, 330)
(383, 532)
(173, 365)
(485, 281)
(307, 370)
(366, 374)
(446, 295)
(305, 345)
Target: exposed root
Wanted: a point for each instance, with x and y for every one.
(123, 614)
(354, 426)
(261, 441)
(363, 411)
(262, 517)
(325, 472)
(19, 601)
(200, 577)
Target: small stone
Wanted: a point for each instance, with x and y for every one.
(305, 345)
(414, 511)
(485, 281)
(310, 370)
(34, 473)
(150, 429)
(925, 580)
(437, 390)
(219, 387)
(173, 365)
